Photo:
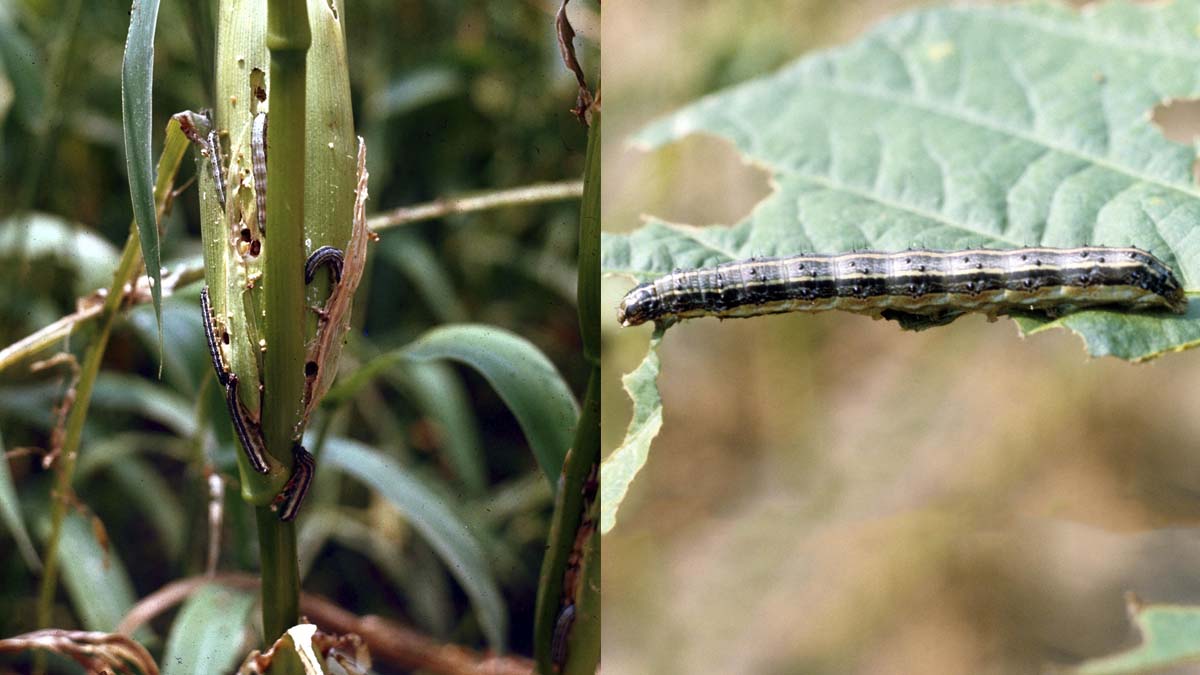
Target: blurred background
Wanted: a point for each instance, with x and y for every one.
(831, 495)
(452, 97)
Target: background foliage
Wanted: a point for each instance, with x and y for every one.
(829, 494)
(451, 97)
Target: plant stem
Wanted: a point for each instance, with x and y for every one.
(571, 507)
(126, 272)
(280, 573)
(288, 39)
(588, 285)
(64, 467)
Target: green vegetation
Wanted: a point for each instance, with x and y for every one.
(431, 505)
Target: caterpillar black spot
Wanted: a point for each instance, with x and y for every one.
(917, 288)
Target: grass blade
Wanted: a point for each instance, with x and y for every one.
(437, 523)
(137, 74)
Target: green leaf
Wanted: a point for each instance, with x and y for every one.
(619, 468)
(428, 276)
(523, 377)
(137, 74)
(104, 453)
(436, 389)
(10, 513)
(158, 501)
(183, 367)
(49, 239)
(129, 393)
(957, 127)
(425, 589)
(415, 89)
(436, 522)
(1170, 637)
(95, 579)
(208, 634)
(20, 62)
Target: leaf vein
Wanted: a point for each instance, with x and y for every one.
(894, 98)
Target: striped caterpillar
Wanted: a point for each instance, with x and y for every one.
(918, 288)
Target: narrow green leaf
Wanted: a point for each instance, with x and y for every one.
(10, 513)
(437, 390)
(128, 393)
(618, 470)
(157, 500)
(137, 74)
(425, 588)
(417, 261)
(104, 452)
(32, 403)
(208, 634)
(974, 126)
(523, 377)
(1170, 638)
(415, 89)
(19, 60)
(94, 576)
(437, 523)
(47, 237)
(183, 367)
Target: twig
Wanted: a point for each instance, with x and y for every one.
(98, 652)
(90, 308)
(530, 194)
(389, 641)
(187, 274)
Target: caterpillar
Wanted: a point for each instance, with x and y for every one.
(287, 502)
(918, 288)
(249, 436)
(258, 163)
(210, 334)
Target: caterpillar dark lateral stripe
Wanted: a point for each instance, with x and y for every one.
(210, 334)
(258, 165)
(328, 256)
(287, 502)
(250, 437)
(915, 287)
(216, 164)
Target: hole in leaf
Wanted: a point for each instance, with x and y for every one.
(1178, 119)
(700, 180)
(258, 86)
(310, 369)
